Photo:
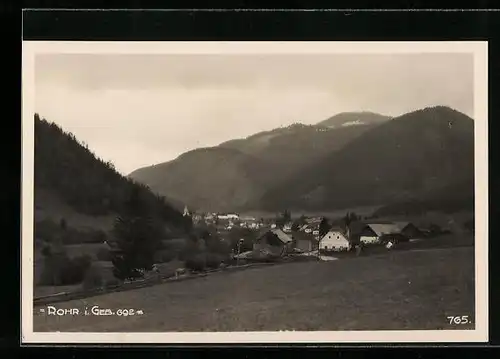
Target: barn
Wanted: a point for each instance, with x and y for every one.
(372, 232)
(409, 230)
(305, 242)
(273, 241)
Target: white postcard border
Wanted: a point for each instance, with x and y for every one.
(480, 53)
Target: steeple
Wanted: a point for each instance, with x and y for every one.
(186, 211)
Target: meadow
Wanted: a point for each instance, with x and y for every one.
(393, 291)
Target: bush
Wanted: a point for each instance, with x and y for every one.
(75, 270)
(46, 251)
(216, 245)
(47, 230)
(103, 254)
(61, 270)
(469, 225)
(164, 256)
(93, 279)
(213, 260)
(189, 250)
(100, 236)
(196, 263)
(83, 261)
(113, 282)
(435, 230)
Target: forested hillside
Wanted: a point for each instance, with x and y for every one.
(236, 173)
(209, 179)
(425, 151)
(88, 184)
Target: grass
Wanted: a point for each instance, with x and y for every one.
(90, 249)
(49, 205)
(395, 291)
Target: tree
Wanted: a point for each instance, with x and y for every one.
(349, 218)
(299, 222)
(287, 216)
(248, 236)
(283, 218)
(63, 224)
(138, 235)
(324, 227)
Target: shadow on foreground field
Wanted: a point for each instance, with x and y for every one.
(400, 290)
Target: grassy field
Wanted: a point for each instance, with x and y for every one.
(395, 291)
(49, 205)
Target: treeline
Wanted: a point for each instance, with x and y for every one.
(411, 208)
(452, 198)
(86, 182)
(419, 151)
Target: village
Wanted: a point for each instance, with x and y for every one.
(312, 236)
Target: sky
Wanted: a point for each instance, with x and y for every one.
(139, 110)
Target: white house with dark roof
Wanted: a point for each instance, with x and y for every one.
(335, 240)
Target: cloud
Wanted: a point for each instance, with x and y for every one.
(136, 110)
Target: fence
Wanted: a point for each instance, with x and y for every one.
(67, 296)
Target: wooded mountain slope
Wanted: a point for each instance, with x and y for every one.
(236, 173)
(70, 171)
(402, 159)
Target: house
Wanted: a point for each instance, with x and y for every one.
(314, 223)
(197, 218)
(303, 228)
(274, 241)
(372, 232)
(335, 240)
(210, 217)
(287, 227)
(233, 216)
(409, 230)
(314, 220)
(305, 242)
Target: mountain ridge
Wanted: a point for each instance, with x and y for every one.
(270, 157)
(355, 117)
(295, 166)
(400, 164)
(69, 173)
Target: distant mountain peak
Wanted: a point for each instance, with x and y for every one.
(353, 123)
(344, 119)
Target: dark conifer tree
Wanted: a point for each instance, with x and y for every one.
(138, 235)
(324, 227)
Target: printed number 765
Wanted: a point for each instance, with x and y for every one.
(464, 319)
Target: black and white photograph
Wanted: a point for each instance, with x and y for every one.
(182, 192)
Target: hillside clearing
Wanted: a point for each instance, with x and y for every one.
(392, 292)
(49, 205)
